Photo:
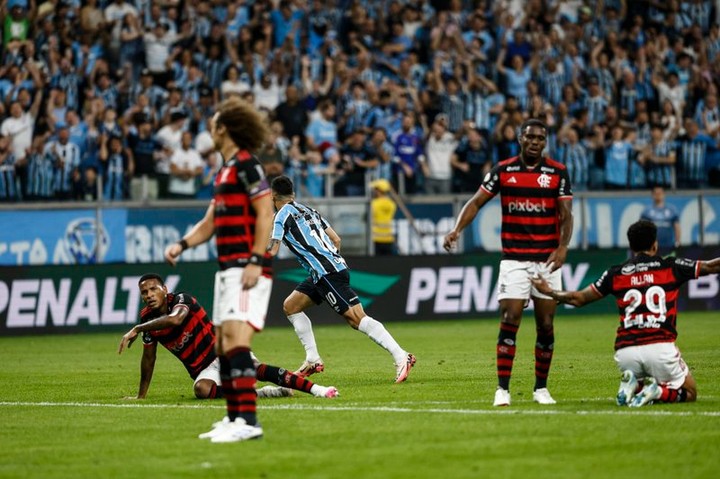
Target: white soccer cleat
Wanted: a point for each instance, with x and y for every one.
(650, 393)
(325, 392)
(308, 368)
(542, 396)
(238, 430)
(403, 369)
(217, 428)
(628, 386)
(502, 397)
(274, 392)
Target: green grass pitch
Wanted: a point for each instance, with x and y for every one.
(63, 415)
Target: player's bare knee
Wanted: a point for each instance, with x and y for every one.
(202, 389)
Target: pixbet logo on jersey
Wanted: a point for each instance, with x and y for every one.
(526, 206)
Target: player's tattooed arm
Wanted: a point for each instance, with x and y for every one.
(273, 247)
(710, 267)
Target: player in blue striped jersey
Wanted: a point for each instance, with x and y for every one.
(316, 245)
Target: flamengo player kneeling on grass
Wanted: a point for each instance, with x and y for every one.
(316, 245)
(536, 228)
(180, 324)
(646, 290)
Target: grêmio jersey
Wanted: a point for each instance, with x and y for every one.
(302, 230)
(529, 196)
(240, 181)
(646, 292)
(192, 341)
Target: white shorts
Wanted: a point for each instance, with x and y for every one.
(233, 303)
(212, 372)
(661, 361)
(514, 279)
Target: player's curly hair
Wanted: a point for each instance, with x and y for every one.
(642, 235)
(245, 125)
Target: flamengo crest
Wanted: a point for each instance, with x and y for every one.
(544, 181)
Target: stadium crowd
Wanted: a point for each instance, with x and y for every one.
(426, 94)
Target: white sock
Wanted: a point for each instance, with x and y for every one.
(303, 329)
(377, 332)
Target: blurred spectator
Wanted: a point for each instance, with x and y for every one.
(573, 154)
(8, 182)
(436, 164)
(145, 151)
(186, 169)
(212, 161)
(41, 172)
(620, 166)
(66, 155)
(471, 160)
(356, 162)
(658, 156)
(692, 150)
(409, 154)
(114, 169)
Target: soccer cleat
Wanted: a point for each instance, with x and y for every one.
(274, 392)
(309, 368)
(325, 392)
(236, 431)
(628, 386)
(542, 396)
(502, 397)
(403, 369)
(217, 428)
(650, 393)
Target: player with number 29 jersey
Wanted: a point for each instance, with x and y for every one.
(646, 291)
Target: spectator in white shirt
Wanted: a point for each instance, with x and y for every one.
(186, 167)
(19, 126)
(436, 166)
(170, 137)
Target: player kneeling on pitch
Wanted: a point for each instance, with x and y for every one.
(179, 322)
(646, 290)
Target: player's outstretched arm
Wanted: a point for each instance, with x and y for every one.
(200, 233)
(574, 298)
(710, 267)
(467, 214)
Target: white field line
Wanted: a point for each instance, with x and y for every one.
(357, 408)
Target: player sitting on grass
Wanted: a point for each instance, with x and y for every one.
(179, 322)
(646, 290)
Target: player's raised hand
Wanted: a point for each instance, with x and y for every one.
(127, 340)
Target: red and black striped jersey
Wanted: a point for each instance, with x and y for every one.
(530, 221)
(192, 341)
(646, 292)
(240, 181)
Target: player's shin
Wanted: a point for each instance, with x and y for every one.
(238, 373)
(506, 353)
(544, 346)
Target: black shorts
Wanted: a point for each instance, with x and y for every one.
(333, 288)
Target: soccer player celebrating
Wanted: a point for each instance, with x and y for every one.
(240, 214)
(316, 245)
(536, 228)
(646, 290)
(180, 324)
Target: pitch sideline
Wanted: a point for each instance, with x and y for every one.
(356, 408)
